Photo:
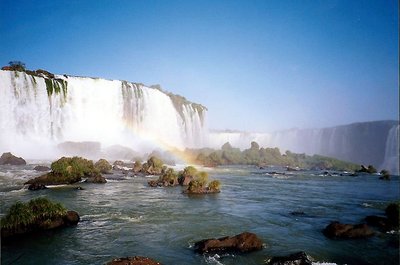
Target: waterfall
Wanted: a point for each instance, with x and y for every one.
(370, 143)
(38, 112)
(392, 150)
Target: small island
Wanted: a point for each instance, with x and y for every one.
(70, 170)
(38, 214)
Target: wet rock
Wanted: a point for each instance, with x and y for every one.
(386, 223)
(10, 159)
(71, 218)
(392, 213)
(185, 180)
(41, 168)
(37, 186)
(244, 242)
(136, 260)
(96, 179)
(347, 231)
(299, 258)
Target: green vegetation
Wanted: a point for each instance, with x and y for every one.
(103, 166)
(255, 155)
(17, 66)
(56, 86)
(214, 185)
(73, 167)
(40, 210)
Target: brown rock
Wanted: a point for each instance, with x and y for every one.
(137, 260)
(96, 179)
(244, 242)
(71, 218)
(299, 258)
(338, 230)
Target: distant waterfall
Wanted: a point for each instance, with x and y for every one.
(37, 112)
(370, 143)
(392, 157)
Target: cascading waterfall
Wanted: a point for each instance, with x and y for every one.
(38, 112)
(392, 151)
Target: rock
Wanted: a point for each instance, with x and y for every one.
(244, 242)
(299, 258)
(10, 159)
(386, 223)
(392, 212)
(136, 260)
(71, 218)
(204, 190)
(41, 168)
(96, 179)
(347, 231)
(378, 221)
(37, 186)
(185, 180)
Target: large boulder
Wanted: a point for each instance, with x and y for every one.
(10, 159)
(347, 231)
(299, 258)
(136, 260)
(244, 242)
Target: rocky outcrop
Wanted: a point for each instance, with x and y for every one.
(244, 242)
(10, 159)
(41, 168)
(299, 258)
(347, 231)
(390, 222)
(136, 260)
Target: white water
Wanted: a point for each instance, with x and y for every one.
(107, 111)
(112, 112)
(392, 150)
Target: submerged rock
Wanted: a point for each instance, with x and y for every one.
(136, 260)
(347, 231)
(299, 258)
(10, 159)
(244, 242)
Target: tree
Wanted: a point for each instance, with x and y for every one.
(17, 65)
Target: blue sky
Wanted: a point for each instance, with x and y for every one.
(256, 65)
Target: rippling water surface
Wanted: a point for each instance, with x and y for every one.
(125, 217)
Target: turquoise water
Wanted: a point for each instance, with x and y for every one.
(125, 217)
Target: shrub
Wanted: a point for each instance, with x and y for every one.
(103, 166)
(155, 162)
(76, 167)
(214, 185)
